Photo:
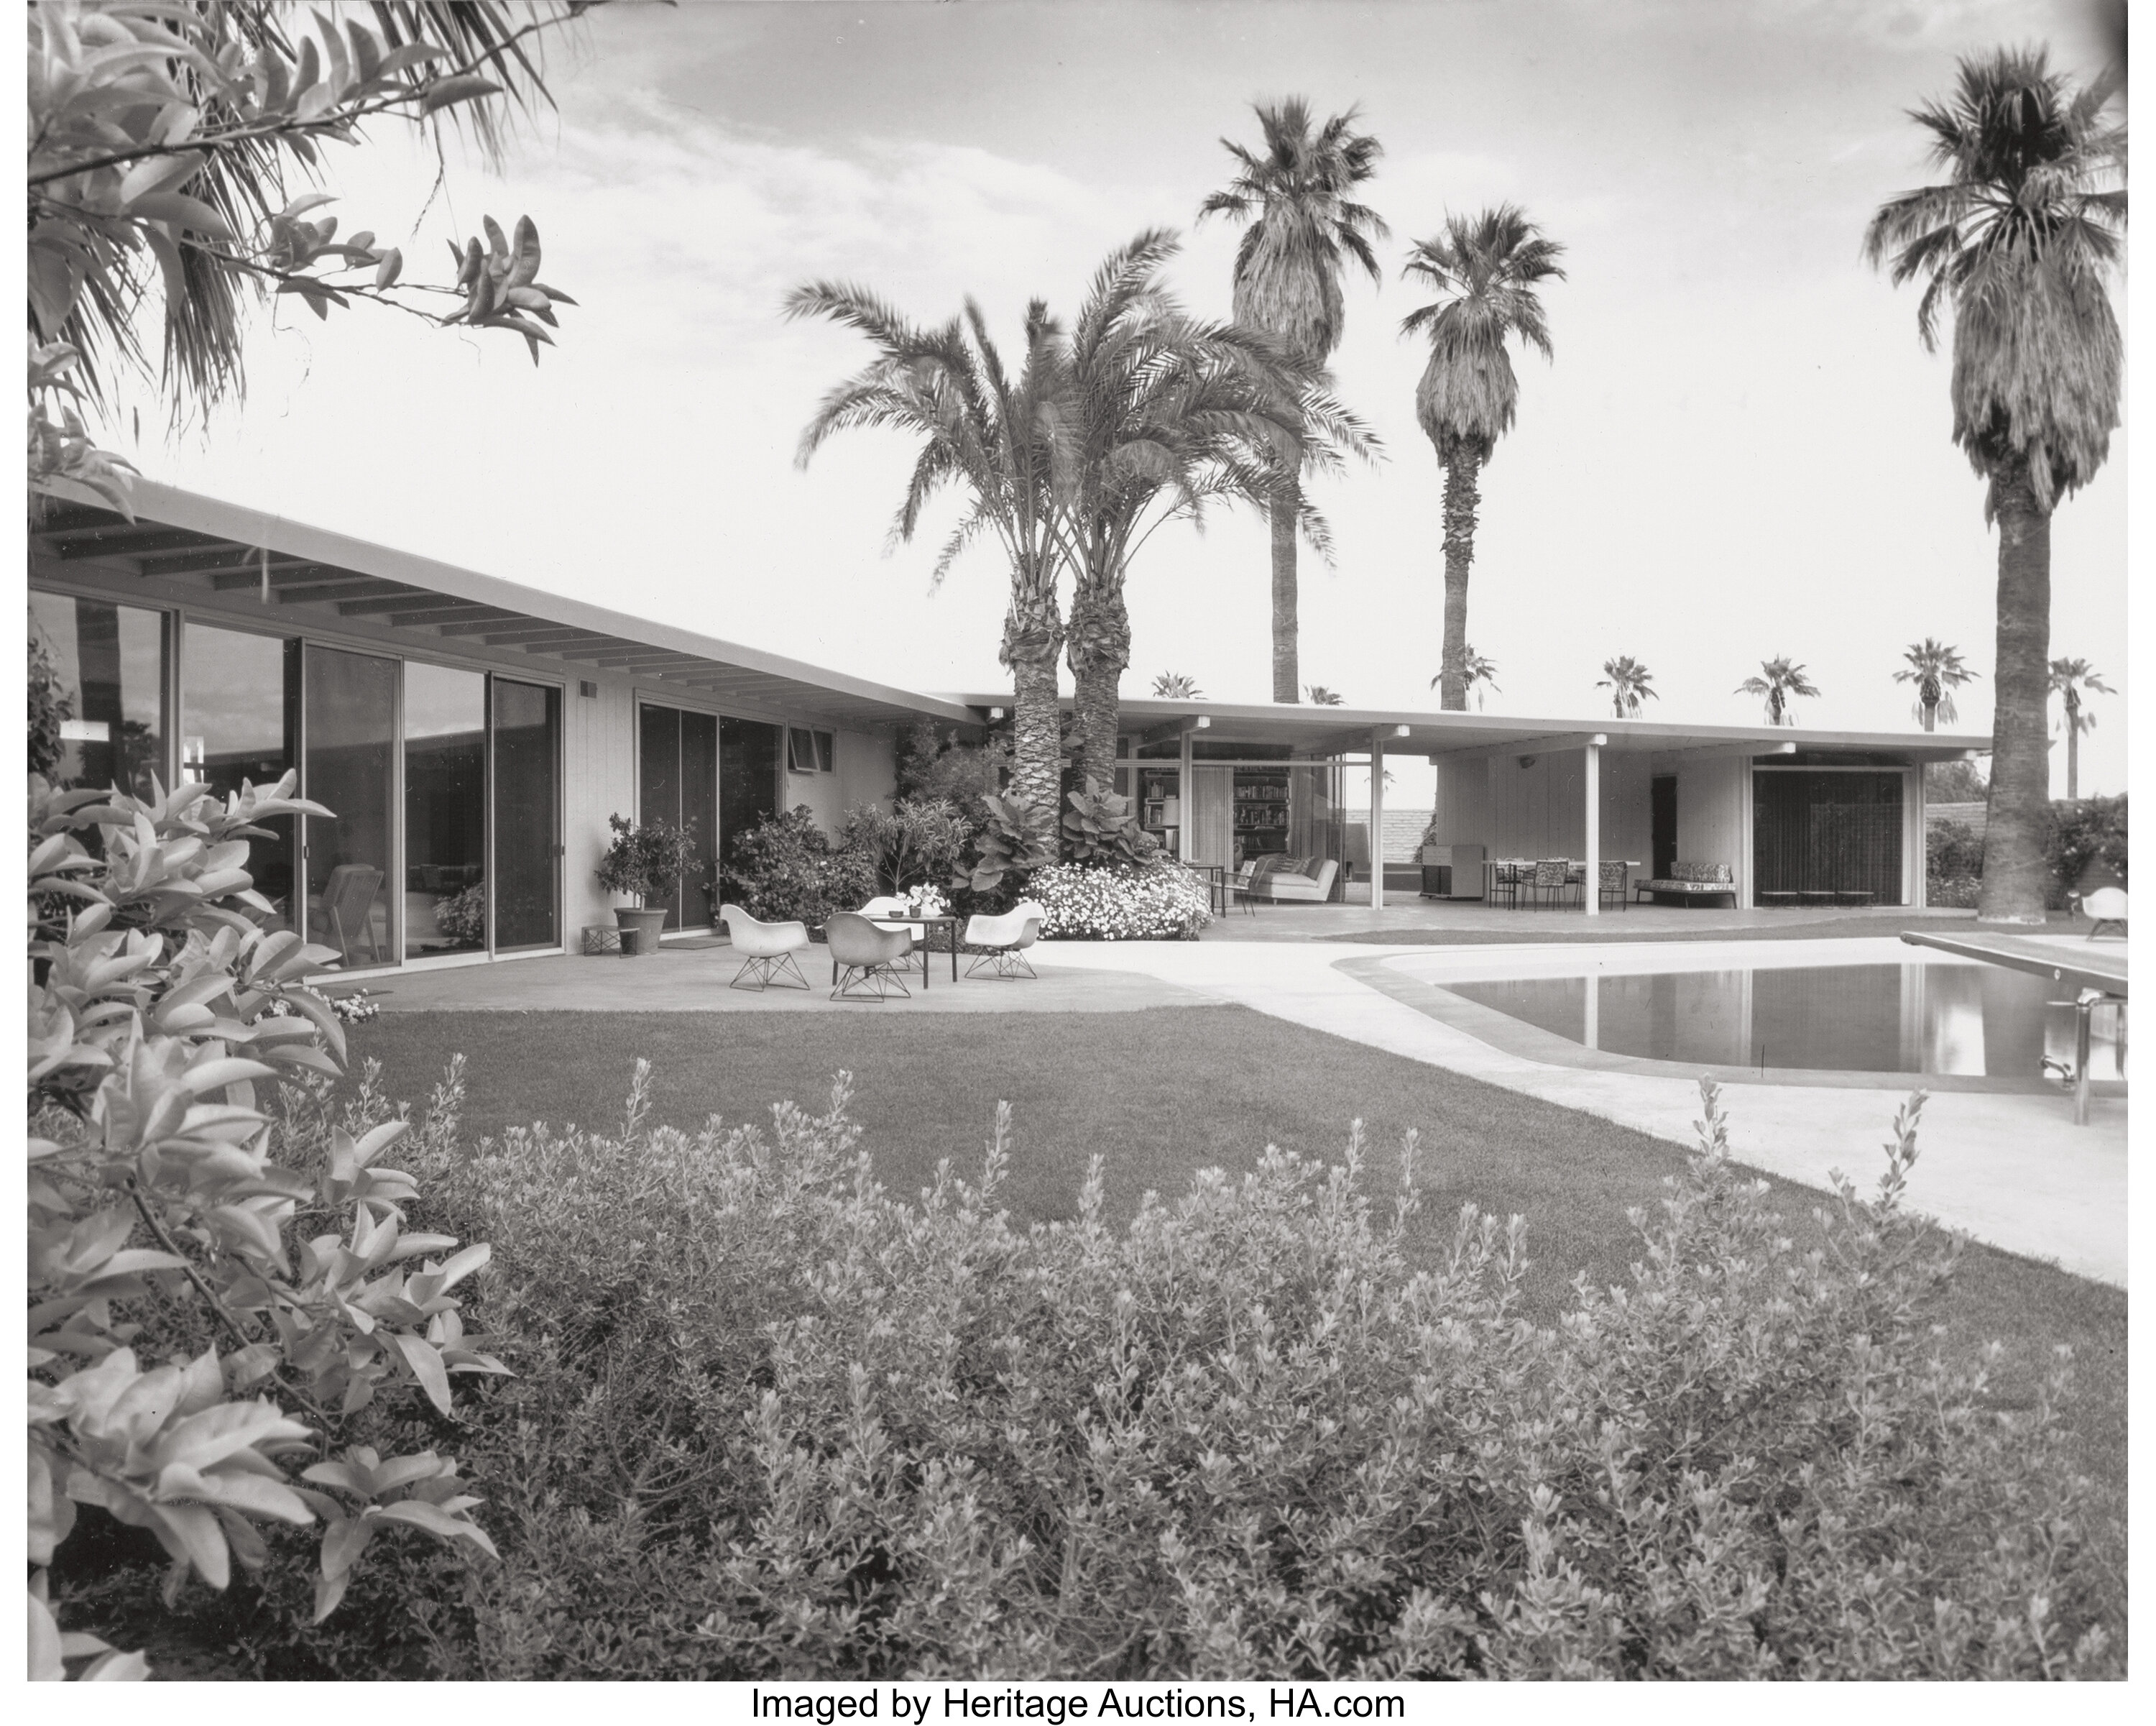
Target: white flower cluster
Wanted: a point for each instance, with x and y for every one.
(353, 1008)
(926, 902)
(1120, 902)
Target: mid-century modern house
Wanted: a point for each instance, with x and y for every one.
(472, 736)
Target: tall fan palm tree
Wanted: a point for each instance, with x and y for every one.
(1295, 191)
(1168, 414)
(2072, 679)
(1779, 683)
(2019, 239)
(1628, 683)
(1938, 672)
(1484, 270)
(999, 439)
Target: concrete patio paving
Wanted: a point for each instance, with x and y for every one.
(2009, 1168)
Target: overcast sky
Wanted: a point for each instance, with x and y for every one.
(1741, 450)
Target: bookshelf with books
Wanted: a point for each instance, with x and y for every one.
(1261, 812)
(1160, 803)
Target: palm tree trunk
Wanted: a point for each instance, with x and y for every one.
(1931, 716)
(1099, 652)
(1287, 501)
(2015, 880)
(2073, 748)
(1032, 640)
(1462, 498)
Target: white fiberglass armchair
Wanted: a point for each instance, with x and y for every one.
(885, 906)
(768, 948)
(999, 943)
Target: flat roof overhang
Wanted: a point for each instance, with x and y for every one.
(318, 579)
(1317, 733)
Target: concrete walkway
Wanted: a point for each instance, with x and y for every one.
(2010, 1170)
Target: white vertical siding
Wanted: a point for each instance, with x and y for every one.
(1714, 816)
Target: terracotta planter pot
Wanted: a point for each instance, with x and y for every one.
(640, 929)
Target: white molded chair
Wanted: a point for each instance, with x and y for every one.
(768, 949)
(888, 905)
(999, 943)
(872, 957)
(2107, 905)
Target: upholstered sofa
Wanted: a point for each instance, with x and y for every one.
(1692, 884)
(1287, 879)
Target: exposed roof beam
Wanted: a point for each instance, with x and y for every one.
(440, 608)
(358, 587)
(203, 560)
(126, 543)
(1707, 752)
(502, 619)
(284, 574)
(531, 640)
(1175, 728)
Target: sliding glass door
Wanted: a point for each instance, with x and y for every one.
(444, 810)
(110, 661)
(350, 706)
(527, 852)
(677, 782)
(239, 722)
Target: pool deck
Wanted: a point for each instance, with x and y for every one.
(2008, 1168)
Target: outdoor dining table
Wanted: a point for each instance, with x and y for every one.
(948, 920)
(1216, 884)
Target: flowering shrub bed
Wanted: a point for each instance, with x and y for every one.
(777, 1422)
(1159, 901)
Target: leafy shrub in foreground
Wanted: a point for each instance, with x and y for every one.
(786, 869)
(777, 1422)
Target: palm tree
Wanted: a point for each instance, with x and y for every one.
(1321, 696)
(2020, 238)
(1779, 682)
(2071, 679)
(1166, 414)
(1305, 229)
(1480, 670)
(1174, 686)
(1484, 270)
(1629, 682)
(1000, 439)
(1938, 672)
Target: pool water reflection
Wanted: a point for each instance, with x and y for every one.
(1916, 1017)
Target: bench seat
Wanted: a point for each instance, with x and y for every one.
(1689, 883)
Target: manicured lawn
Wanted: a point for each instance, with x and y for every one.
(1162, 1093)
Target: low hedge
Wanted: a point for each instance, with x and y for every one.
(775, 1422)
(1155, 901)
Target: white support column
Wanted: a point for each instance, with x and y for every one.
(1182, 804)
(1591, 894)
(1377, 820)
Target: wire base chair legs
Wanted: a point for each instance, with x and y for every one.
(776, 968)
(1007, 963)
(871, 983)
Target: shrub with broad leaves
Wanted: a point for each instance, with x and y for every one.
(205, 1321)
(785, 869)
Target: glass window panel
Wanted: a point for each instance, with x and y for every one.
(527, 728)
(826, 752)
(238, 718)
(352, 736)
(444, 810)
(110, 663)
(748, 776)
(800, 751)
(659, 781)
(699, 815)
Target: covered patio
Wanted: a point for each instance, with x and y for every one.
(1789, 818)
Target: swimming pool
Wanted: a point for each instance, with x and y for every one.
(1917, 1017)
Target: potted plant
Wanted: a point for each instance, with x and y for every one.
(645, 862)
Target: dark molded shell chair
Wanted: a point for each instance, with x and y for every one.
(870, 959)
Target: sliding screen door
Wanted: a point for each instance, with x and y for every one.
(677, 782)
(527, 820)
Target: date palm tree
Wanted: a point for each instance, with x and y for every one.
(1297, 192)
(1628, 683)
(999, 439)
(2072, 679)
(1174, 686)
(2018, 239)
(1167, 415)
(1484, 270)
(1779, 683)
(1938, 672)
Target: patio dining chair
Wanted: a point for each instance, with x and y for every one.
(1611, 886)
(1505, 884)
(870, 958)
(348, 909)
(1552, 875)
(2107, 906)
(999, 943)
(768, 948)
(889, 905)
